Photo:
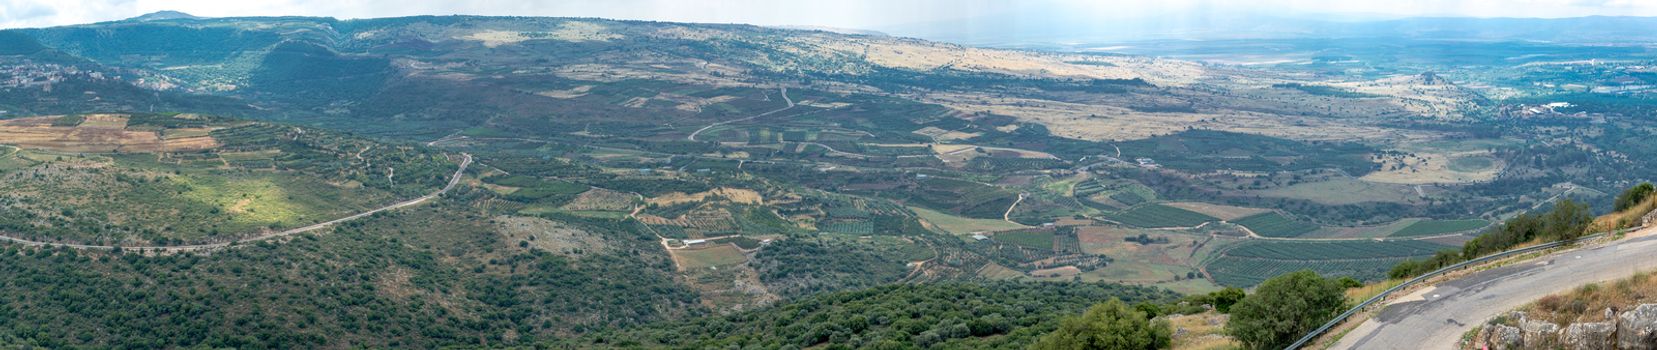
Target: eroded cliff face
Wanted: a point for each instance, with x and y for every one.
(1632, 329)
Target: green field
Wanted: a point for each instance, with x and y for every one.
(1038, 239)
(1437, 227)
(962, 225)
(1274, 224)
(1471, 164)
(1157, 215)
(1252, 262)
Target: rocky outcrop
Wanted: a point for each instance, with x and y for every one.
(1498, 337)
(1538, 334)
(1589, 336)
(1637, 328)
(1634, 329)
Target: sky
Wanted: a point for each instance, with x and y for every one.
(860, 14)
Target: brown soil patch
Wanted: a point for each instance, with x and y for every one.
(98, 133)
(737, 195)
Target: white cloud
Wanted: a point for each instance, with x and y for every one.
(838, 13)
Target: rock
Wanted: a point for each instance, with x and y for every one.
(1589, 336)
(1503, 337)
(1637, 328)
(1537, 333)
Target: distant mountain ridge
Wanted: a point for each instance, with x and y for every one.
(1079, 28)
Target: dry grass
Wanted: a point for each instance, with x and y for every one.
(1101, 122)
(1358, 295)
(573, 31)
(1204, 331)
(710, 257)
(1626, 218)
(98, 133)
(1588, 303)
(601, 200)
(1430, 168)
(1223, 212)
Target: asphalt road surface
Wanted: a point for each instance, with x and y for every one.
(1436, 318)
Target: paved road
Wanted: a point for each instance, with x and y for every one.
(1437, 318)
(466, 160)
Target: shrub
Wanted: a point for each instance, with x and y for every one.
(1111, 325)
(1284, 308)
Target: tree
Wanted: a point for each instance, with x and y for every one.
(1568, 220)
(1111, 325)
(1284, 308)
(1634, 196)
(1224, 299)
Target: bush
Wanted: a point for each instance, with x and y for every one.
(1284, 308)
(1111, 325)
(1634, 195)
(1567, 221)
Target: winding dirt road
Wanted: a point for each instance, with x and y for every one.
(785, 98)
(453, 180)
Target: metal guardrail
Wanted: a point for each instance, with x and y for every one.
(1378, 297)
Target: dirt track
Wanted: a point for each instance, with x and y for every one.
(453, 180)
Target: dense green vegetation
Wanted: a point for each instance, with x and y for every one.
(1634, 196)
(1112, 325)
(799, 267)
(423, 278)
(1285, 308)
(995, 315)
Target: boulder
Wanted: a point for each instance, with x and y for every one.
(1537, 333)
(1504, 337)
(1589, 336)
(1637, 328)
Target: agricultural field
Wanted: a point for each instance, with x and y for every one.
(1035, 239)
(963, 198)
(100, 133)
(1343, 191)
(1274, 224)
(1248, 263)
(1157, 215)
(1218, 211)
(1439, 227)
(1170, 264)
(961, 226)
(712, 256)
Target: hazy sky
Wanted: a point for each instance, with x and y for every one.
(832, 13)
